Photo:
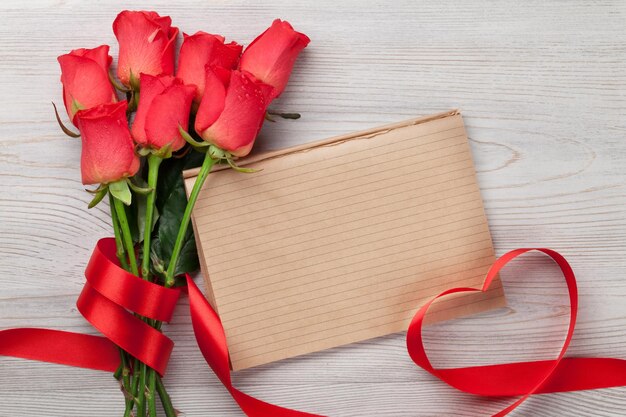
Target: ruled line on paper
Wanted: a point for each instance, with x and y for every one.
(352, 214)
(355, 246)
(440, 286)
(400, 187)
(342, 242)
(234, 283)
(353, 324)
(308, 288)
(406, 168)
(403, 323)
(384, 192)
(401, 160)
(340, 311)
(357, 280)
(336, 160)
(335, 259)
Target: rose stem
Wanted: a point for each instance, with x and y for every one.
(182, 231)
(169, 277)
(165, 399)
(154, 162)
(126, 236)
(152, 412)
(121, 255)
(130, 250)
(141, 391)
(153, 174)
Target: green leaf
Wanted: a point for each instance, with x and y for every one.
(133, 81)
(117, 84)
(241, 169)
(170, 220)
(190, 140)
(157, 266)
(170, 175)
(140, 210)
(75, 107)
(131, 214)
(188, 258)
(171, 201)
(119, 189)
(99, 195)
(139, 189)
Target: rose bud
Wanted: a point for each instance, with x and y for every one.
(108, 152)
(165, 103)
(270, 57)
(147, 43)
(231, 116)
(85, 79)
(200, 50)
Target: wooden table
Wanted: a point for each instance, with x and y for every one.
(542, 86)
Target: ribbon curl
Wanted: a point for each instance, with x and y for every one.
(110, 292)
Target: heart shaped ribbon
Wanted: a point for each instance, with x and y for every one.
(522, 378)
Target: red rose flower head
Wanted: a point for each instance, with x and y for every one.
(231, 115)
(164, 104)
(147, 43)
(202, 49)
(85, 79)
(108, 151)
(271, 56)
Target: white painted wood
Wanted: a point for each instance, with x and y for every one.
(542, 86)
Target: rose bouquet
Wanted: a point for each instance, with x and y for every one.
(141, 130)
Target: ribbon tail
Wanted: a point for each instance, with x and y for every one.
(211, 340)
(60, 347)
(577, 374)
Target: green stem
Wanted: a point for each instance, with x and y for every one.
(126, 381)
(141, 391)
(138, 386)
(126, 235)
(153, 174)
(121, 253)
(182, 231)
(135, 381)
(152, 393)
(166, 401)
(123, 371)
(154, 162)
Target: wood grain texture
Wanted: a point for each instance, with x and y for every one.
(542, 86)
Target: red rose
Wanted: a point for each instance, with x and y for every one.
(200, 50)
(85, 79)
(164, 103)
(147, 43)
(231, 116)
(270, 57)
(108, 152)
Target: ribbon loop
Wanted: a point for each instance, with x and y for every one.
(125, 330)
(125, 289)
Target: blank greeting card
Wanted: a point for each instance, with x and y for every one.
(342, 240)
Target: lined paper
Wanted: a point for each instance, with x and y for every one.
(343, 240)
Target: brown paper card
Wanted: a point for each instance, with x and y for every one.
(342, 240)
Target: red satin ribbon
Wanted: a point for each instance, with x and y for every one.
(107, 296)
(110, 292)
(523, 378)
